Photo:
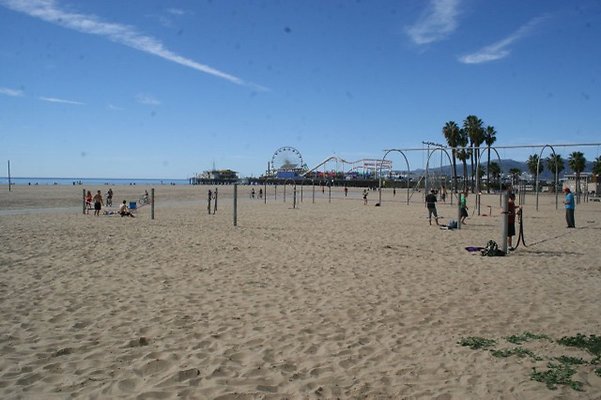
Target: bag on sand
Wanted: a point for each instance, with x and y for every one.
(492, 250)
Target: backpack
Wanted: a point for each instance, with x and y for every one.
(492, 249)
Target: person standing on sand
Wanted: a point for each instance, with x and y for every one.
(209, 201)
(512, 211)
(431, 205)
(364, 197)
(88, 201)
(463, 206)
(443, 194)
(98, 203)
(570, 207)
(109, 198)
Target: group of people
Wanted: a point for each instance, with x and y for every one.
(253, 193)
(431, 200)
(513, 210)
(96, 202)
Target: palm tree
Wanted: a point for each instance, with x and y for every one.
(515, 173)
(463, 154)
(473, 127)
(577, 163)
(489, 138)
(533, 163)
(597, 167)
(495, 172)
(451, 134)
(555, 164)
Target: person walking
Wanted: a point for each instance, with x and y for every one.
(570, 207)
(463, 205)
(431, 205)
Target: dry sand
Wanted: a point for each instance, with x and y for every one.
(330, 300)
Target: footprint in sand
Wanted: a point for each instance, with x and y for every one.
(187, 374)
(28, 380)
(128, 385)
(155, 366)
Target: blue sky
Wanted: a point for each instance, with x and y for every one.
(165, 89)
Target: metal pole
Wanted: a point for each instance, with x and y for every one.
(330, 193)
(294, 198)
(152, 203)
(459, 212)
(83, 200)
(235, 204)
(505, 222)
(216, 196)
(265, 191)
(313, 191)
(302, 192)
(426, 180)
(275, 191)
(9, 182)
(285, 192)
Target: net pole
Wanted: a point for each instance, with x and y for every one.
(9, 182)
(152, 203)
(235, 204)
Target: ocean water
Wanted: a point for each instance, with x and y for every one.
(18, 181)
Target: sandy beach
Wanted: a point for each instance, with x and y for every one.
(328, 300)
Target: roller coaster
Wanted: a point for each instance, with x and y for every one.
(287, 163)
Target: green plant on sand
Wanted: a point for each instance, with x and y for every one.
(476, 342)
(558, 372)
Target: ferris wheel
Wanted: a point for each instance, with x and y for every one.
(287, 159)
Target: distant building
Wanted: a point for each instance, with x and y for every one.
(588, 183)
(215, 177)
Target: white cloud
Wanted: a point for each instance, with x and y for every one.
(437, 22)
(114, 107)
(176, 11)
(11, 92)
(49, 11)
(147, 100)
(499, 50)
(62, 101)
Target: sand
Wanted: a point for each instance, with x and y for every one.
(329, 300)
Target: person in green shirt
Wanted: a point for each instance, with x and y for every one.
(463, 205)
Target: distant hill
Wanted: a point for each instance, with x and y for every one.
(506, 165)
